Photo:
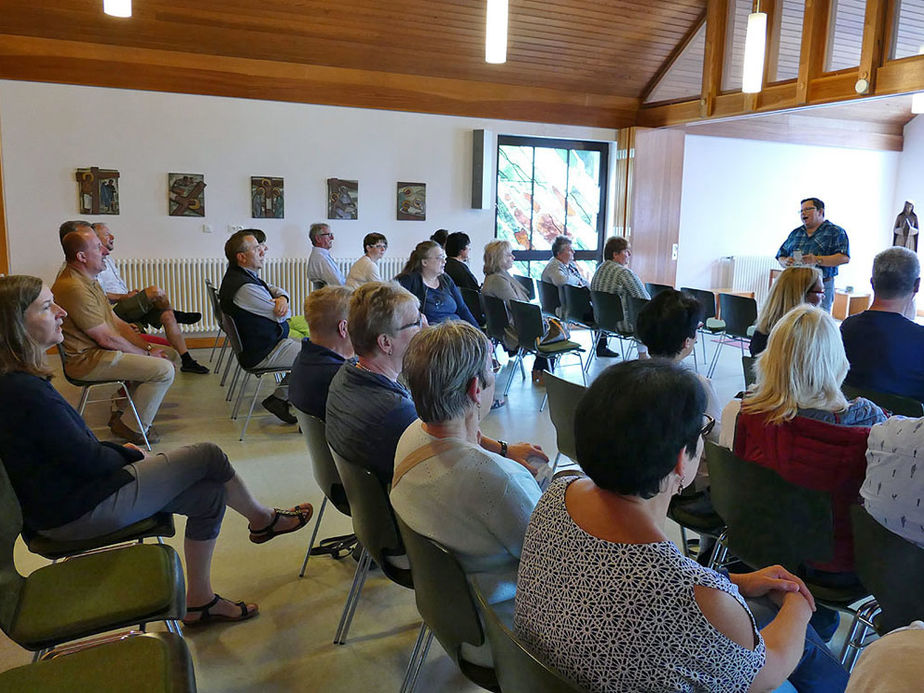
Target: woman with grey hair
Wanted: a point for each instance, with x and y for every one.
(446, 485)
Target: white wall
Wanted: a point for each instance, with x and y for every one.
(741, 197)
(47, 131)
(909, 184)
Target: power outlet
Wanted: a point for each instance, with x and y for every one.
(674, 250)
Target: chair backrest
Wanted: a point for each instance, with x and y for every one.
(11, 582)
(891, 568)
(549, 297)
(654, 289)
(322, 462)
(214, 300)
(230, 330)
(518, 668)
(738, 313)
(635, 306)
(528, 284)
(897, 404)
(495, 317)
(607, 310)
(576, 303)
(563, 398)
(442, 593)
(749, 364)
(373, 517)
(527, 318)
(768, 520)
(706, 298)
(60, 349)
(472, 300)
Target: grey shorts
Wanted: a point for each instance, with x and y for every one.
(138, 308)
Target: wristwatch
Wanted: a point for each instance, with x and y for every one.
(503, 444)
(148, 347)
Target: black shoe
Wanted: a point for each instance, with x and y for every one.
(606, 353)
(193, 366)
(280, 408)
(185, 318)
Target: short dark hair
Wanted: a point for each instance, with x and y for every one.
(440, 236)
(558, 243)
(69, 226)
(895, 271)
(633, 421)
(614, 246)
(456, 243)
(667, 320)
(819, 205)
(235, 243)
(372, 238)
(315, 230)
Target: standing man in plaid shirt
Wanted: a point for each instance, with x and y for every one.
(819, 243)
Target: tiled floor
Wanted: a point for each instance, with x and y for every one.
(288, 647)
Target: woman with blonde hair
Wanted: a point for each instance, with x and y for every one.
(795, 286)
(797, 422)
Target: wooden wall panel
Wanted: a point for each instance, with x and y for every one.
(72, 62)
(655, 211)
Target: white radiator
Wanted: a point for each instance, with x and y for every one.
(183, 279)
(752, 273)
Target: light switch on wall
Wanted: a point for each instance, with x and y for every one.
(674, 250)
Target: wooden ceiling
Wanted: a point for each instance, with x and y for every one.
(591, 50)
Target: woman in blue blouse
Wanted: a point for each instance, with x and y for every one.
(440, 298)
(71, 486)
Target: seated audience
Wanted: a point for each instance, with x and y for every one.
(322, 270)
(448, 487)
(604, 595)
(458, 247)
(149, 306)
(439, 296)
(260, 312)
(101, 346)
(667, 326)
(324, 352)
(366, 268)
(367, 407)
(794, 286)
(894, 486)
(498, 259)
(439, 236)
(72, 487)
(798, 422)
(562, 270)
(613, 276)
(884, 345)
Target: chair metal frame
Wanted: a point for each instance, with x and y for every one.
(88, 385)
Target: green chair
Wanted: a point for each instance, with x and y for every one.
(891, 567)
(85, 595)
(157, 526)
(325, 473)
(563, 398)
(374, 526)
(519, 669)
(150, 663)
(896, 404)
(447, 607)
(527, 318)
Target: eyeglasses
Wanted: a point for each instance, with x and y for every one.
(436, 257)
(382, 246)
(807, 209)
(707, 429)
(328, 233)
(413, 324)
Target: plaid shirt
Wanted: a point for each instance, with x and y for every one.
(828, 239)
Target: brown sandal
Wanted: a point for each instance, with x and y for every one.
(207, 616)
(302, 512)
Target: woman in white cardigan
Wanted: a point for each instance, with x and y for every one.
(366, 268)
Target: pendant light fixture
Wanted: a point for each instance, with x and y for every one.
(495, 35)
(755, 47)
(118, 8)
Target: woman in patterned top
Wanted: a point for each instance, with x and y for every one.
(610, 601)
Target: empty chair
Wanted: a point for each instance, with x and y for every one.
(445, 603)
(896, 404)
(563, 398)
(739, 313)
(324, 471)
(711, 325)
(88, 385)
(374, 526)
(654, 289)
(528, 283)
(549, 298)
(517, 667)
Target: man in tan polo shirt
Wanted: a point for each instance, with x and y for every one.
(99, 345)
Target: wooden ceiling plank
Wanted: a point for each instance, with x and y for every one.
(872, 53)
(672, 58)
(716, 23)
(814, 41)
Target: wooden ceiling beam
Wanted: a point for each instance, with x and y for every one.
(79, 62)
(814, 40)
(714, 59)
(872, 53)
